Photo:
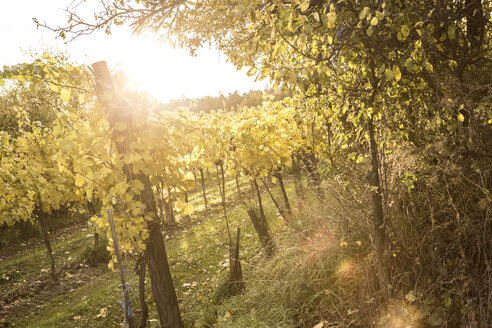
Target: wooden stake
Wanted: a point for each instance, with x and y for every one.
(126, 297)
(118, 110)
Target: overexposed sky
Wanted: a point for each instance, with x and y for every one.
(164, 72)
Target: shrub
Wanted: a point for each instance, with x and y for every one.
(95, 254)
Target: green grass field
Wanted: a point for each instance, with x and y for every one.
(88, 297)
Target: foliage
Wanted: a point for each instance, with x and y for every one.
(396, 93)
(95, 254)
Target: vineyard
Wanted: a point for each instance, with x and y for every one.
(357, 195)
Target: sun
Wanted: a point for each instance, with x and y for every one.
(171, 73)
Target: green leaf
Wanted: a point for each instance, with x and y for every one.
(435, 320)
(452, 31)
(370, 31)
(389, 74)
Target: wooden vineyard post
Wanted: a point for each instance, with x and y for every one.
(279, 208)
(236, 275)
(119, 111)
(203, 187)
(126, 297)
(46, 239)
(236, 272)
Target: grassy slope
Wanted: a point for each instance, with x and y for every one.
(198, 258)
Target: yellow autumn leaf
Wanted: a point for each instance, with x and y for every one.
(405, 31)
(54, 87)
(397, 72)
(429, 67)
(304, 5)
(65, 94)
(332, 17)
(364, 13)
(79, 180)
(103, 313)
(82, 98)
(374, 21)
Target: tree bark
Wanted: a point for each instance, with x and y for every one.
(160, 276)
(140, 270)
(260, 203)
(236, 272)
(377, 207)
(203, 187)
(26, 230)
(284, 192)
(237, 183)
(280, 210)
(261, 228)
(224, 208)
(168, 207)
(314, 178)
(297, 177)
(47, 244)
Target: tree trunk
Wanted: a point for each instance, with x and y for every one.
(297, 177)
(160, 202)
(194, 177)
(236, 277)
(160, 276)
(280, 210)
(260, 203)
(161, 281)
(222, 197)
(261, 228)
(140, 270)
(260, 223)
(284, 192)
(377, 208)
(96, 238)
(314, 178)
(168, 214)
(168, 207)
(237, 183)
(26, 230)
(44, 232)
(203, 187)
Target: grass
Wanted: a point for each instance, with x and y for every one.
(28, 265)
(198, 255)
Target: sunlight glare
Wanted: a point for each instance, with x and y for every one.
(168, 73)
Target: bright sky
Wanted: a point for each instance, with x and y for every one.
(164, 72)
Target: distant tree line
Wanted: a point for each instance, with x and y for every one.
(233, 101)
